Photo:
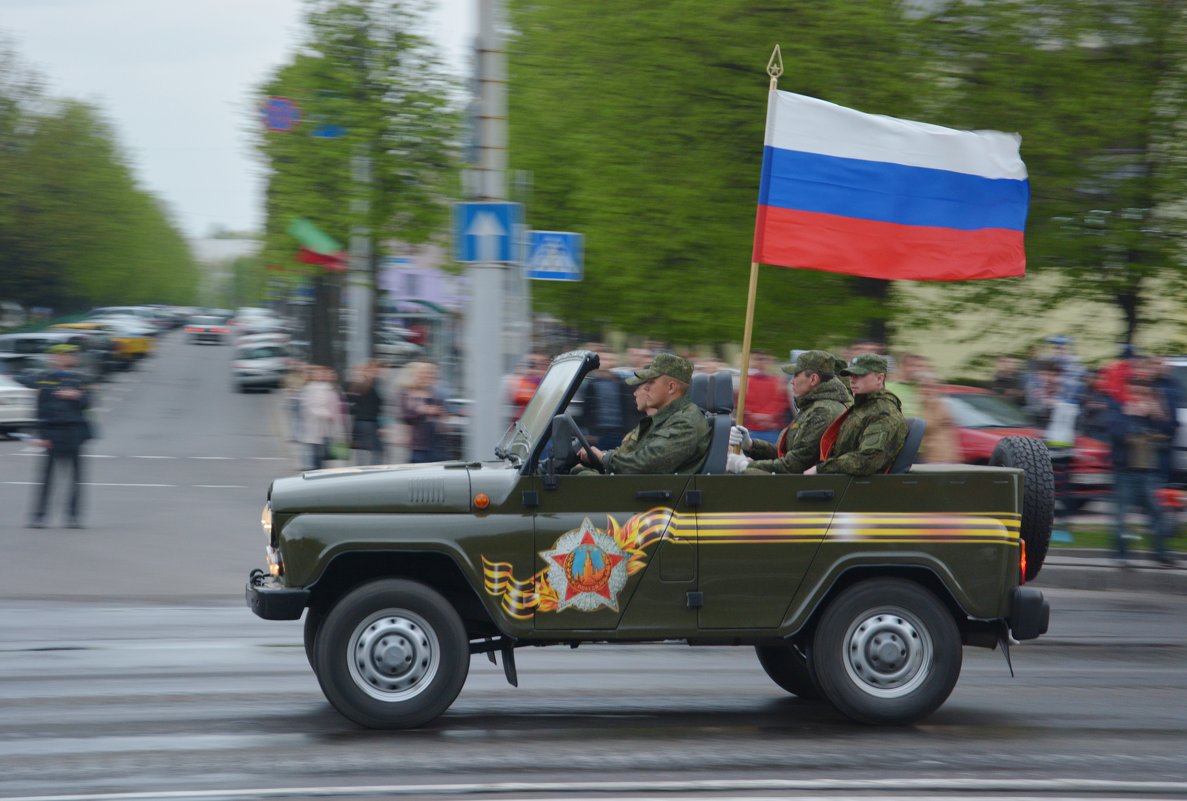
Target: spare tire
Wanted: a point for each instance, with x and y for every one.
(1038, 494)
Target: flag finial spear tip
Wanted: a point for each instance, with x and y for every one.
(775, 67)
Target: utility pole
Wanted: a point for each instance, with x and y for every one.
(485, 358)
(360, 291)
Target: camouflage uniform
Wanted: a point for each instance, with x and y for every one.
(673, 440)
(799, 444)
(870, 436)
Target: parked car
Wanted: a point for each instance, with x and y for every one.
(90, 357)
(18, 406)
(393, 348)
(1178, 365)
(133, 339)
(206, 329)
(260, 366)
(983, 418)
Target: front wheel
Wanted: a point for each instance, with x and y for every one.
(392, 654)
(886, 651)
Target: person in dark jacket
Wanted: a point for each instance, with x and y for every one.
(62, 400)
(609, 410)
(1141, 427)
(365, 404)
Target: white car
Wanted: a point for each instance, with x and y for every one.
(18, 406)
(262, 365)
(393, 348)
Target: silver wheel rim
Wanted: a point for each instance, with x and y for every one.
(393, 655)
(888, 653)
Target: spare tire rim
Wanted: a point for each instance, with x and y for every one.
(393, 655)
(888, 653)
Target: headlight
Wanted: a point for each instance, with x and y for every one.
(266, 520)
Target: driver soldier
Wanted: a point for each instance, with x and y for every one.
(820, 396)
(674, 435)
(867, 438)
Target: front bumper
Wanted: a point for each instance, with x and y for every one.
(272, 601)
(1030, 614)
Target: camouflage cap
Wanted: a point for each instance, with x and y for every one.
(63, 347)
(668, 364)
(865, 364)
(817, 360)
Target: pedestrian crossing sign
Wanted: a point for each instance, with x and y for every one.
(555, 256)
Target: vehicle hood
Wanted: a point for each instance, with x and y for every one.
(977, 444)
(441, 486)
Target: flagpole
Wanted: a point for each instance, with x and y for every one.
(774, 70)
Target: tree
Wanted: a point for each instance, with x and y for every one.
(1098, 89)
(365, 69)
(645, 133)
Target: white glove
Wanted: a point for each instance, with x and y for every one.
(740, 438)
(736, 462)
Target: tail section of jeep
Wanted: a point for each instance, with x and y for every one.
(860, 591)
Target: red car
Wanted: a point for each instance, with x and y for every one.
(982, 418)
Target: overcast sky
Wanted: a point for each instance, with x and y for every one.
(175, 78)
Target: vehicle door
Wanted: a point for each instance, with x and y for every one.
(756, 538)
(598, 539)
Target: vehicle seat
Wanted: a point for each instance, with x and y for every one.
(906, 456)
(698, 391)
(719, 407)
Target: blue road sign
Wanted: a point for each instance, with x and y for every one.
(281, 114)
(555, 256)
(485, 231)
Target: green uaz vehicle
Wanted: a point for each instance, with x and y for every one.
(861, 591)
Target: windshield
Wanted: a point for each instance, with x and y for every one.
(982, 410)
(537, 417)
(206, 321)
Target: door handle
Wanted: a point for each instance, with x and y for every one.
(814, 495)
(653, 495)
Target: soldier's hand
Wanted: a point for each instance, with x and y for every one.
(740, 438)
(736, 463)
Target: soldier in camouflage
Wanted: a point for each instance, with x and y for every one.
(820, 397)
(673, 437)
(867, 438)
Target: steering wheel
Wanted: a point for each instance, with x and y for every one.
(594, 461)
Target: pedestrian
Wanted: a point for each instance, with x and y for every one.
(322, 421)
(523, 383)
(294, 382)
(1140, 430)
(608, 410)
(366, 404)
(768, 410)
(941, 441)
(1008, 380)
(422, 411)
(62, 401)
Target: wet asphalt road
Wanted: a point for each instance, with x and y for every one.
(129, 664)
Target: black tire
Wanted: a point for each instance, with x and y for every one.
(313, 621)
(1038, 494)
(886, 652)
(392, 654)
(788, 667)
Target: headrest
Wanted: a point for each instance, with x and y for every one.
(721, 393)
(698, 390)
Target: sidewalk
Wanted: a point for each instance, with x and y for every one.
(1087, 569)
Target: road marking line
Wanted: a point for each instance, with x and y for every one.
(222, 486)
(823, 788)
(219, 458)
(154, 457)
(111, 484)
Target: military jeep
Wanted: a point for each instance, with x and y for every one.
(861, 591)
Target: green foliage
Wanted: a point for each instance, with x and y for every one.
(75, 229)
(364, 69)
(643, 128)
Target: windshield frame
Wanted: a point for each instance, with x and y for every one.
(525, 438)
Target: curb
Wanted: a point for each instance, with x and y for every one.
(1098, 573)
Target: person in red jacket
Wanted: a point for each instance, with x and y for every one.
(768, 409)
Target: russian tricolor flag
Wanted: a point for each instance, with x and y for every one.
(880, 197)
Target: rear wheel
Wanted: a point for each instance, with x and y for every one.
(886, 651)
(788, 667)
(392, 654)
(1038, 494)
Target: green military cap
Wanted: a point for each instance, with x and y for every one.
(63, 347)
(865, 364)
(668, 364)
(817, 360)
